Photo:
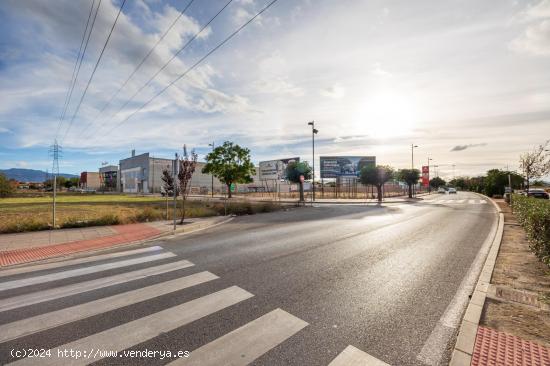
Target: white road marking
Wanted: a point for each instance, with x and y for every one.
(459, 201)
(472, 202)
(140, 330)
(245, 344)
(77, 288)
(352, 356)
(82, 271)
(40, 267)
(55, 318)
(434, 348)
(483, 202)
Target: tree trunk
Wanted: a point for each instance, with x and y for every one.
(301, 192)
(410, 191)
(228, 190)
(182, 209)
(379, 192)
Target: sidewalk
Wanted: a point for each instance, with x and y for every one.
(34, 246)
(508, 319)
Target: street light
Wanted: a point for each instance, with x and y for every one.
(435, 170)
(412, 155)
(213, 145)
(313, 133)
(429, 187)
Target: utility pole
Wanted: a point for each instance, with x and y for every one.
(412, 164)
(55, 152)
(176, 161)
(212, 144)
(429, 186)
(313, 133)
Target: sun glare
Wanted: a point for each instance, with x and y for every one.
(385, 115)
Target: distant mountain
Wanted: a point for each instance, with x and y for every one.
(30, 175)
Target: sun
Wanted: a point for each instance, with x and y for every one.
(385, 115)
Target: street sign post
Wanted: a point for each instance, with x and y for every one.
(425, 176)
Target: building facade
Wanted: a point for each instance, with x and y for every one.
(89, 180)
(109, 178)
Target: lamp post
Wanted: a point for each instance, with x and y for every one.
(212, 188)
(313, 133)
(413, 146)
(435, 170)
(429, 186)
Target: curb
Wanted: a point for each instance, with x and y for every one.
(465, 342)
(184, 231)
(85, 253)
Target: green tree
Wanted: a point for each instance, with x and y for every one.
(230, 163)
(376, 176)
(535, 164)
(410, 177)
(496, 180)
(460, 183)
(6, 188)
(294, 170)
(71, 182)
(437, 182)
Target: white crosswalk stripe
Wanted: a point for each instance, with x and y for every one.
(40, 267)
(247, 343)
(352, 356)
(457, 202)
(77, 288)
(140, 330)
(55, 318)
(240, 346)
(82, 271)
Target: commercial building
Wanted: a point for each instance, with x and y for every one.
(142, 173)
(109, 178)
(89, 180)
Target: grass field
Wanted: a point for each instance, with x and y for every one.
(31, 213)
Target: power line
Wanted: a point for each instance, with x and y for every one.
(165, 65)
(194, 65)
(78, 63)
(138, 66)
(94, 70)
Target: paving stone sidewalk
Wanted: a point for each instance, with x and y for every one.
(30, 247)
(514, 327)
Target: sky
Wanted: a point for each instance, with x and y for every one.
(467, 81)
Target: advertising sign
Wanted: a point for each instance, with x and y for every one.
(425, 176)
(344, 166)
(274, 169)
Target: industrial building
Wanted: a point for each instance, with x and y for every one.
(89, 180)
(109, 178)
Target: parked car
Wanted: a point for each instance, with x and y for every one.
(451, 190)
(536, 193)
(441, 190)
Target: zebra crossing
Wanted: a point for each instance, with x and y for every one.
(240, 346)
(457, 201)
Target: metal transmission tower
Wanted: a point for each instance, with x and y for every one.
(55, 153)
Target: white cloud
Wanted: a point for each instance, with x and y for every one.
(540, 10)
(336, 91)
(535, 40)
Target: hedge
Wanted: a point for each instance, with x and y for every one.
(534, 215)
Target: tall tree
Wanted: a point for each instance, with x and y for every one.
(230, 163)
(437, 182)
(376, 176)
(295, 171)
(187, 165)
(535, 164)
(6, 188)
(410, 177)
(167, 182)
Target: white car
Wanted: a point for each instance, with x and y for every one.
(451, 191)
(441, 190)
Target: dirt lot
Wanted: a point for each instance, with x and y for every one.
(521, 302)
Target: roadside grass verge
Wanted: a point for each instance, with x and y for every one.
(22, 214)
(534, 215)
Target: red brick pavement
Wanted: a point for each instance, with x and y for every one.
(125, 234)
(496, 348)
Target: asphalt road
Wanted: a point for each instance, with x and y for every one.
(389, 280)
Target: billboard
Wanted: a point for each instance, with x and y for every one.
(274, 169)
(344, 166)
(425, 176)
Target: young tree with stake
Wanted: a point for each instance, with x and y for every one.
(376, 176)
(187, 166)
(297, 172)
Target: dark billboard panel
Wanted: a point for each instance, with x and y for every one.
(344, 166)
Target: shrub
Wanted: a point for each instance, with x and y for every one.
(25, 225)
(109, 219)
(147, 214)
(534, 215)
